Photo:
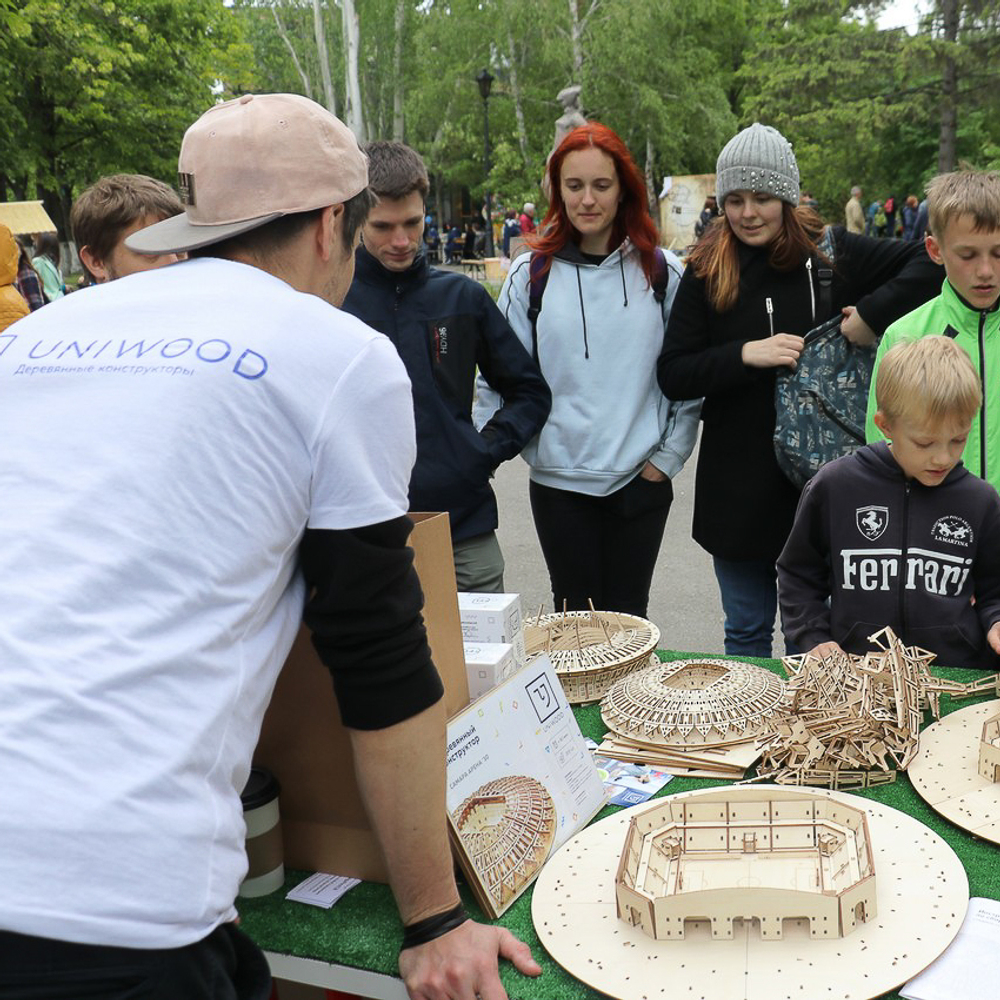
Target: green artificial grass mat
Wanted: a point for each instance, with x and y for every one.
(363, 929)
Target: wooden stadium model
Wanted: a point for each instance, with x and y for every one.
(773, 856)
(591, 649)
(690, 713)
(507, 827)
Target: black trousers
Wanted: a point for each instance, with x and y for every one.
(226, 965)
(602, 548)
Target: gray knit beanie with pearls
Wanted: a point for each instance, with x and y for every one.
(759, 158)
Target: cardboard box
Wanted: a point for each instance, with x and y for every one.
(493, 618)
(488, 664)
(304, 744)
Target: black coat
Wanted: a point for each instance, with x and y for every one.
(744, 505)
(887, 550)
(445, 326)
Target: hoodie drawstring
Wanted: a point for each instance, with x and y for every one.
(621, 264)
(583, 314)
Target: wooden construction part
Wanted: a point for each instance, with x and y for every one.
(507, 827)
(956, 770)
(853, 714)
(591, 649)
(921, 892)
(775, 856)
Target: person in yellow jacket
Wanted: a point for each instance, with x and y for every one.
(12, 304)
(964, 212)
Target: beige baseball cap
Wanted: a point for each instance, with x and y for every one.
(251, 160)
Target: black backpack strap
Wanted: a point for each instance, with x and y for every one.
(824, 271)
(661, 275)
(538, 276)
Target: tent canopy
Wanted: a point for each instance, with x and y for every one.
(22, 217)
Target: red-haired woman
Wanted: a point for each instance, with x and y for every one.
(602, 464)
(749, 293)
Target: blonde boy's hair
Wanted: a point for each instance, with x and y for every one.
(964, 192)
(929, 380)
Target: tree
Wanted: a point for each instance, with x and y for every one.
(97, 88)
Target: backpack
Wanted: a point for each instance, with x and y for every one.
(890, 204)
(538, 279)
(820, 407)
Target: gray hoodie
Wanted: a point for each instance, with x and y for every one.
(600, 331)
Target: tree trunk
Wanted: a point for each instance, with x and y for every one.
(515, 91)
(651, 182)
(352, 43)
(319, 30)
(575, 33)
(306, 87)
(397, 67)
(947, 140)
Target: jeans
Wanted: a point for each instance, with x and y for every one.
(749, 591)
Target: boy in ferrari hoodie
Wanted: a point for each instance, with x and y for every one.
(900, 533)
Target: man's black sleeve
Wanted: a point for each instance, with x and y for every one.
(364, 612)
(511, 371)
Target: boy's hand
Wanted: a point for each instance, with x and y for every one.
(825, 649)
(993, 637)
(856, 330)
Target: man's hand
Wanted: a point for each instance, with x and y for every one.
(825, 649)
(993, 637)
(462, 964)
(773, 352)
(856, 330)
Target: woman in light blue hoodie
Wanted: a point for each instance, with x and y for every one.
(602, 464)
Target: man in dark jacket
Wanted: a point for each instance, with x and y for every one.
(445, 326)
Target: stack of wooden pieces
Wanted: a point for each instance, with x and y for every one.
(853, 720)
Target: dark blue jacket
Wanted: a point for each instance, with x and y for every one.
(445, 326)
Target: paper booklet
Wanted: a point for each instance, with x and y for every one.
(970, 967)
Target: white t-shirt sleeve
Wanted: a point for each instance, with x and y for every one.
(365, 445)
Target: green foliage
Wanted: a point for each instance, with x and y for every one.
(106, 86)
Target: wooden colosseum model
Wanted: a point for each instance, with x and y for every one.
(591, 649)
(507, 827)
(750, 853)
(989, 749)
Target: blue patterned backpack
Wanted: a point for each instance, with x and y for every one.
(821, 405)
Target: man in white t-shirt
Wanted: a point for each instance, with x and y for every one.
(187, 455)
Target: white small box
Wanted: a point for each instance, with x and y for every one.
(493, 618)
(488, 664)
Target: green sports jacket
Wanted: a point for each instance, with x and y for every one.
(978, 332)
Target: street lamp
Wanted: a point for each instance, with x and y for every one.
(485, 81)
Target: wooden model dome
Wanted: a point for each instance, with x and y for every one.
(689, 703)
(507, 826)
(590, 650)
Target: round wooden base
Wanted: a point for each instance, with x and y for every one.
(945, 773)
(922, 894)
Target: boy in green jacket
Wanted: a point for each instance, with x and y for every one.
(964, 212)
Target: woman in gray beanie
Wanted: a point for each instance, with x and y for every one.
(749, 293)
